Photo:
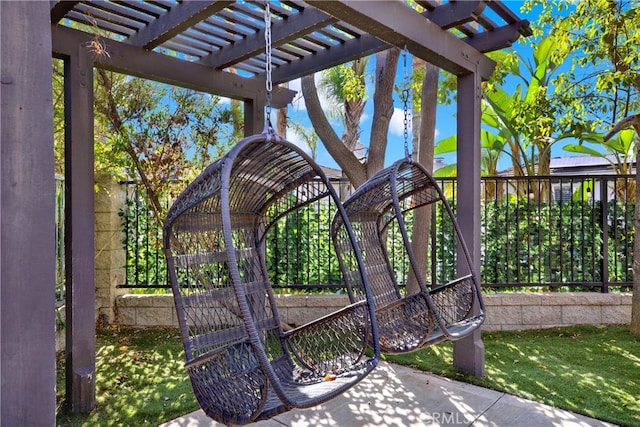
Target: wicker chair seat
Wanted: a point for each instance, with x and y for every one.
(244, 363)
(448, 304)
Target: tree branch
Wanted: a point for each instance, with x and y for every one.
(347, 160)
(627, 122)
(386, 65)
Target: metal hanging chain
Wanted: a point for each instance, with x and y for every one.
(268, 65)
(406, 91)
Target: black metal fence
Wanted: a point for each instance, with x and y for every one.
(146, 267)
(60, 265)
(557, 232)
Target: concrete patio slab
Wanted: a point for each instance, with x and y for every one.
(398, 396)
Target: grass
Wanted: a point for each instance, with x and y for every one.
(140, 380)
(589, 370)
(594, 371)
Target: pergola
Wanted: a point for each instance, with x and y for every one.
(210, 46)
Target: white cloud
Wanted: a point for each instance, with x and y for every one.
(296, 140)
(396, 126)
(298, 100)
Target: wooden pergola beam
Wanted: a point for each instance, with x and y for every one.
(455, 13)
(182, 16)
(79, 233)
(131, 60)
(60, 8)
(396, 24)
(350, 51)
(497, 39)
(27, 211)
(281, 33)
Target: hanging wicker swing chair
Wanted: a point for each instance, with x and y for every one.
(244, 363)
(448, 303)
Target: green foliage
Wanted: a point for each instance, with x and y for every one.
(60, 239)
(345, 83)
(164, 132)
(493, 146)
(524, 120)
(599, 41)
(142, 241)
(149, 131)
(300, 251)
(584, 369)
(308, 135)
(596, 44)
(621, 240)
(622, 148)
(524, 242)
(58, 115)
(527, 242)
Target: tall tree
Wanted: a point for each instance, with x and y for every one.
(526, 117)
(425, 79)
(339, 147)
(517, 106)
(345, 86)
(158, 133)
(601, 36)
(599, 39)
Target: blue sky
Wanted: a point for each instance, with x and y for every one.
(445, 119)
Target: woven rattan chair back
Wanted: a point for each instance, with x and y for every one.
(244, 363)
(445, 302)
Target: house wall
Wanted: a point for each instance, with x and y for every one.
(513, 311)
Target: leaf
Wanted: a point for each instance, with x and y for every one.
(575, 148)
(446, 171)
(446, 145)
(491, 141)
(542, 51)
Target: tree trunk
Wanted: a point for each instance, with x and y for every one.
(426, 139)
(635, 300)
(633, 121)
(281, 118)
(347, 161)
(386, 67)
(111, 111)
(353, 111)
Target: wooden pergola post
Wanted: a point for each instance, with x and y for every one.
(468, 353)
(79, 233)
(27, 214)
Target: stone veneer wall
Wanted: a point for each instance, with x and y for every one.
(110, 255)
(516, 311)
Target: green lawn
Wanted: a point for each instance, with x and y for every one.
(140, 380)
(590, 370)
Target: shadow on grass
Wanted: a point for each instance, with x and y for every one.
(140, 379)
(593, 371)
(589, 370)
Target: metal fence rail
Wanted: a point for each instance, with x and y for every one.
(570, 232)
(558, 231)
(60, 265)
